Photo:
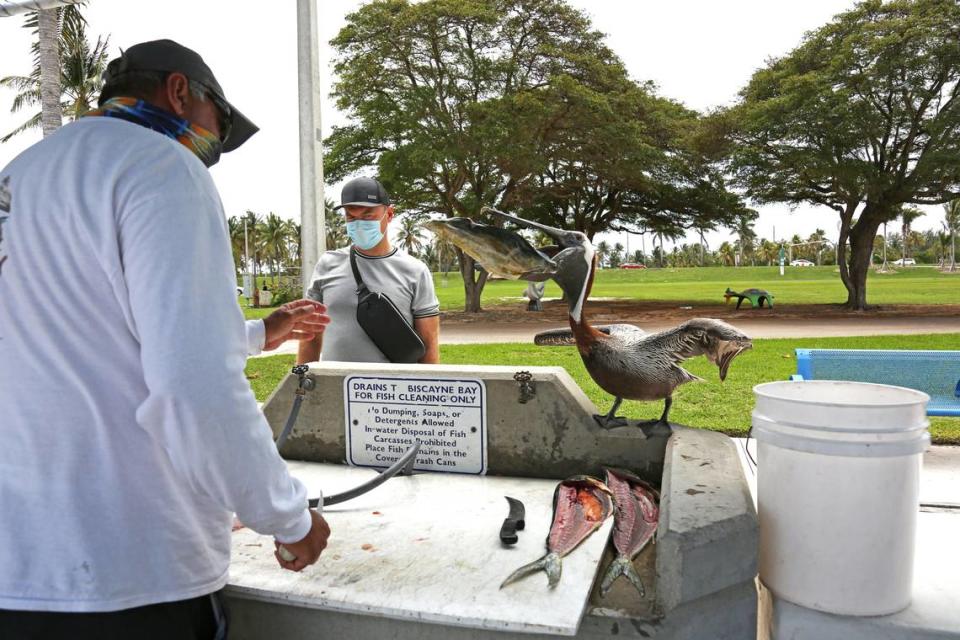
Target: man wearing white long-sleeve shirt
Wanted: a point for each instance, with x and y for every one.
(130, 434)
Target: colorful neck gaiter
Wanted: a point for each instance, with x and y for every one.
(203, 143)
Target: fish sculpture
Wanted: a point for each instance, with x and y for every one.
(580, 506)
(501, 252)
(635, 516)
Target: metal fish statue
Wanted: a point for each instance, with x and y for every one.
(635, 520)
(580, 505)
(501, 252)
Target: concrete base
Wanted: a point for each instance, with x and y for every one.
(708, 532)
(726, 615)
(699, 573)
(549, 435)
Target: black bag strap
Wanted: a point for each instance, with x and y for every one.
(361, 287)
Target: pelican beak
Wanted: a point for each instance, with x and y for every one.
(562, 238)
(730, 351)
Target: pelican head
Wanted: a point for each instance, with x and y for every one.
(575, 262)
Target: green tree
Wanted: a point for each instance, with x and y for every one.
(862, 117)
(410, 236)
(274, 236)
(745, 235)
(517, 104)
(818, 241)
(235, 228)
(768, 252)
(616, 256)
(439, 94)
(255, 242)
(335, 226)
(296, 246)
(81, 66)
(727, 254)
(602, 250)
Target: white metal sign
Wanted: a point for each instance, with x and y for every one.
(385, 415)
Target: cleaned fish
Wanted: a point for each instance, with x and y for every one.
(636, 513)
(501, 252)
(580, 505)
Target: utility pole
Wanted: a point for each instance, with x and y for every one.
(247, 285)
(312, 232)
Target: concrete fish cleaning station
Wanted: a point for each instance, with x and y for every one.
(421, 557)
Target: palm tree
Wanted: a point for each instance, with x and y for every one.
(952, 225)
(254, 242)
(745, 235)
(727, 254)
(616, 255)
(48, 59)
(235, 227)
(768, 251)
(429, 256)
(603, 251)
(274, 234)
(410, 237)
(335, 226)
(816, 240)
(704, 247)
(907, 216)
(444, 251)
(295, 246)
(80, 67)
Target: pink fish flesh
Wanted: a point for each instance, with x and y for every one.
(580, 505)
(636, 513)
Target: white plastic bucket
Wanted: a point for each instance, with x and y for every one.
(837, 492)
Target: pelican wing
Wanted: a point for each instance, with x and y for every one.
(565, 338)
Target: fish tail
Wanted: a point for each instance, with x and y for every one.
(621, 566)
(549, 563)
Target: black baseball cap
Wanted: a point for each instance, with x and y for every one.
(169, 56)
(363, 192)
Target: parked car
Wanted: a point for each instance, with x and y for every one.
(633, 265)
(906, 262)
(800, 262)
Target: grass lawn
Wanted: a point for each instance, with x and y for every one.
(799, 285)
(720, 406)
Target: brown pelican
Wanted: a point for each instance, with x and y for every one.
(623, 359)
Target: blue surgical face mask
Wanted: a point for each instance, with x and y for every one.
(365, 234)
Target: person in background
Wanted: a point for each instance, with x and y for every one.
(384, 269)
(130, 433)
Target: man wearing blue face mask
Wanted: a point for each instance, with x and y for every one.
(383, 268)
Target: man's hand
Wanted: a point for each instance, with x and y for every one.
(306, 551)
(297, 320)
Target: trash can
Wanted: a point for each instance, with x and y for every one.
(837, 492)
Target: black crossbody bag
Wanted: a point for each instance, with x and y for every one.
(384, 323)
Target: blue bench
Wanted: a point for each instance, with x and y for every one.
(936, 373)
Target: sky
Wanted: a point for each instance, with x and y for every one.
(699, 52)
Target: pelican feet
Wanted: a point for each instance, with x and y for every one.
(651, 428)
(610, 422)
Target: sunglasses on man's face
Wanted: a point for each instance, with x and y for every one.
(224, 114)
